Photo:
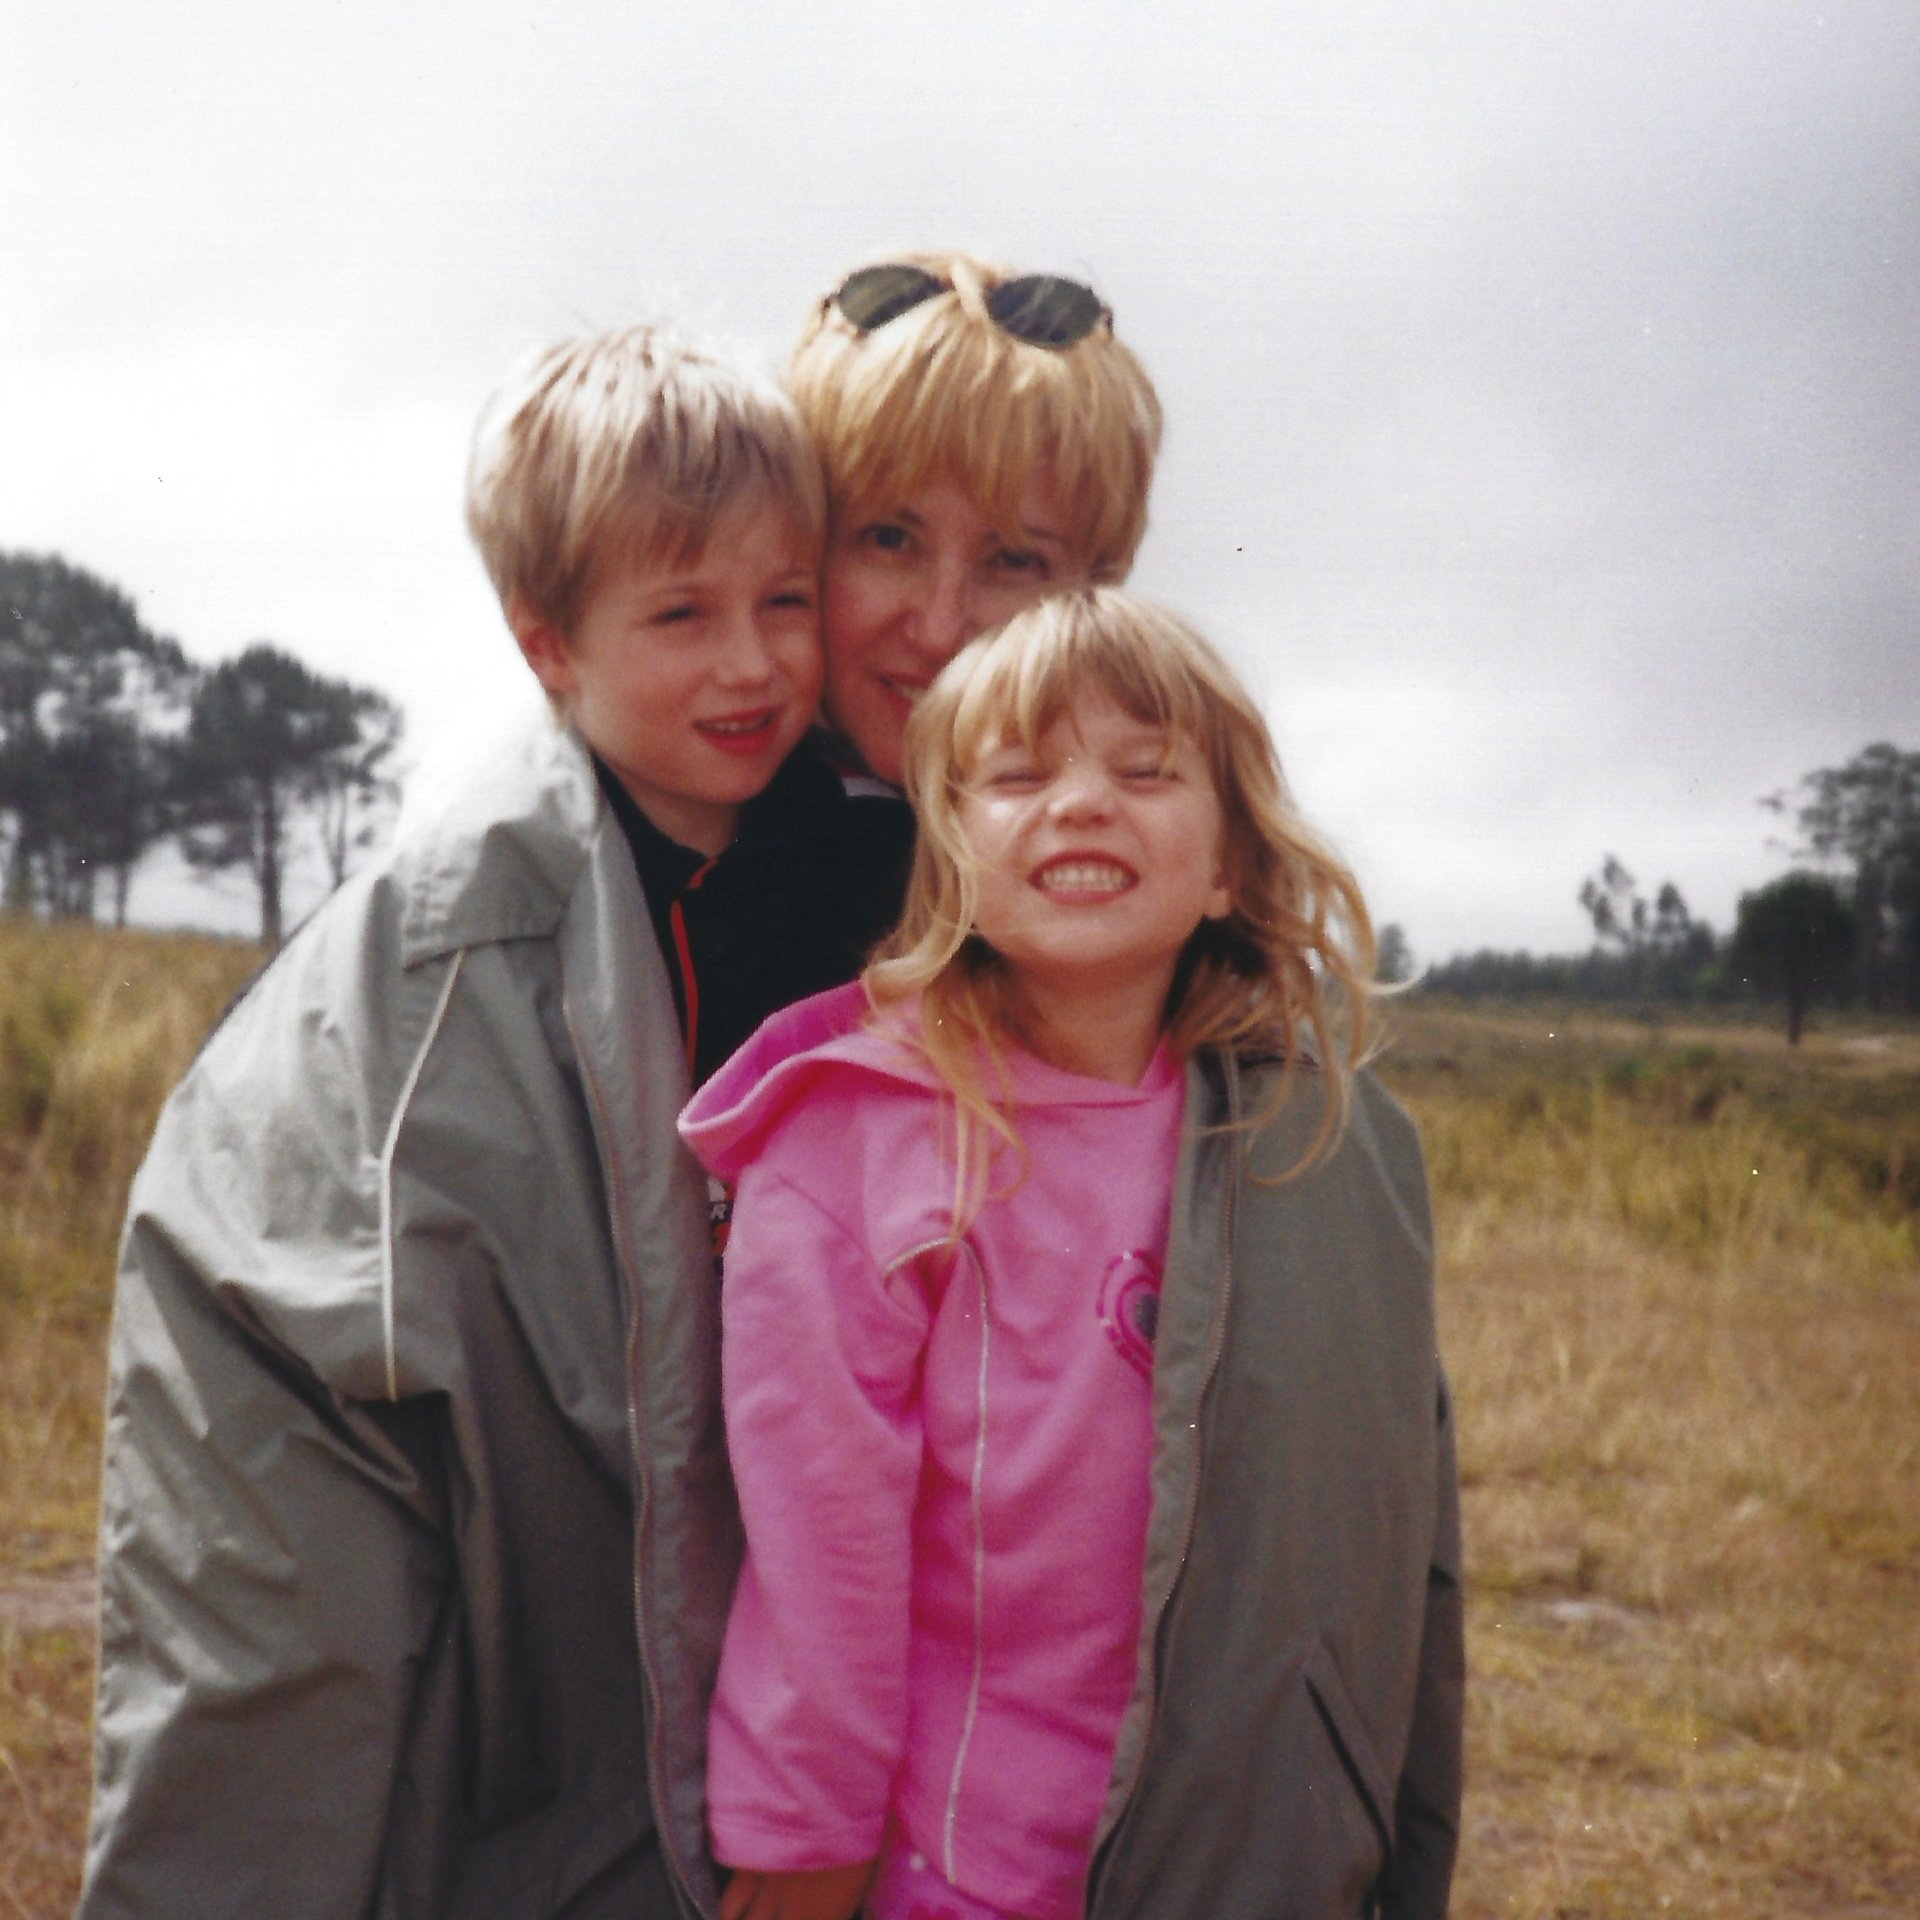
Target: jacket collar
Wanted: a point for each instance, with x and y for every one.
(499, 858)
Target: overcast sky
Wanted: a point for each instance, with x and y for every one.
(1542, 380)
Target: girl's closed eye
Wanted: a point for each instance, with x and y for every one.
(1010, 776)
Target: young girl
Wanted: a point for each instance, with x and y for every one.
(1079, 1359)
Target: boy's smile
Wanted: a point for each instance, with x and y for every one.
(693, 682)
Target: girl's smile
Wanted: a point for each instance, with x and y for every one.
(1099, 852)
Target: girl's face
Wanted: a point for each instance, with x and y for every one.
(905, 590)
(1100, 851)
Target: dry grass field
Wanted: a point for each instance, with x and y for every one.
(1681, 1306)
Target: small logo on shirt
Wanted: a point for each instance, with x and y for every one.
(719, 1218)
(1130, 1307)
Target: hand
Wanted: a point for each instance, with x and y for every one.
(827, 1893)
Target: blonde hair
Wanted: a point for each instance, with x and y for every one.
(633, 443)
(943, 394)
(1288, 971)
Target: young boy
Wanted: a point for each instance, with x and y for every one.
(416, 1535)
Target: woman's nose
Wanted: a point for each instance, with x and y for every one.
(947, 617)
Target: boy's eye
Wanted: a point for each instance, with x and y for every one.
(795, 597)
(885, 536)
(674, 613)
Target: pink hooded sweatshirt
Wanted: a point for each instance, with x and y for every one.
(942, 1455)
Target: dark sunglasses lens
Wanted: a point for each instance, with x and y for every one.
(1045, 310)
(875, 295)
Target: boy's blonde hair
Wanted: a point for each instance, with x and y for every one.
(943, 394)
(634, 444)
(1288, 971)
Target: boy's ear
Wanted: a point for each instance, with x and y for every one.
(544, 648)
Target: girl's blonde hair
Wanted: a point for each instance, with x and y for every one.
(634, 444)
(943, 394)
(1289, 970)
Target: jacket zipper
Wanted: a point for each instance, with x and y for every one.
(642, 1484)
(1216, 1346)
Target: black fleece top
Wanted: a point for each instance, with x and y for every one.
(811, 881)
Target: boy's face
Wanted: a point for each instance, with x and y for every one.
(693, 682)
(907, 589)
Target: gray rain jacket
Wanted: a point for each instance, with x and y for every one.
(380, 1511)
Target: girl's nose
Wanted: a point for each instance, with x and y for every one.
(1082, 790)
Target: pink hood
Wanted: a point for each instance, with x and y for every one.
(775, 1071)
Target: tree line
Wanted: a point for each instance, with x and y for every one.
(113, 742)
(1844, 924)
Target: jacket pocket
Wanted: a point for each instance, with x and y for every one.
(1351, 1739)
(1261, 1797)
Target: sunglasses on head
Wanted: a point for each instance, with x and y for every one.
(1040, 308)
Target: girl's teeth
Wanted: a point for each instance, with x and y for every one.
(1084, 876)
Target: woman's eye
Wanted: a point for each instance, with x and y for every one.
(1025, 563)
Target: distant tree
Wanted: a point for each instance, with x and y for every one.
(87, 698)
(268, 743)
(354, 793)
(1394, 962)
(1614, 905)
(1794, 937)
(1656, 947)
(1865, 816)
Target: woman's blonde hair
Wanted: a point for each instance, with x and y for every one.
(1287, 972)
(635, 444)
(943, 394)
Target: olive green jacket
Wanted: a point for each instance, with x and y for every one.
(1292, 1749)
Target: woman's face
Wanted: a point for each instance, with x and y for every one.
(906, 589)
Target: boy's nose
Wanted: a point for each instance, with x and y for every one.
(744, 656)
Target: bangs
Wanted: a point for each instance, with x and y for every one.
(1031, 674)
(662, 532)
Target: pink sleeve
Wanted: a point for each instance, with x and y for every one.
(821, 1368)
